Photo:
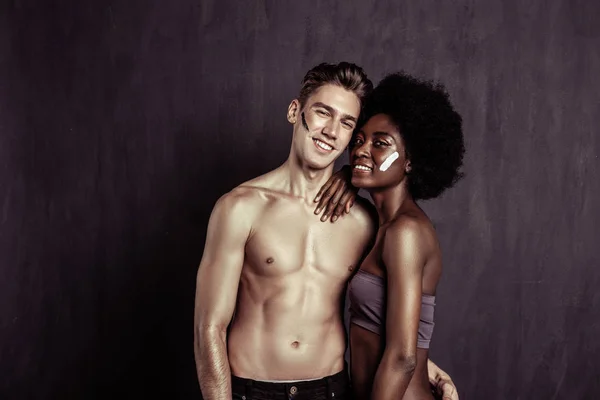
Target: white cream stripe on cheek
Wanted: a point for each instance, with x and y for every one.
(388, 161)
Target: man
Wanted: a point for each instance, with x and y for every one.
(272, 280)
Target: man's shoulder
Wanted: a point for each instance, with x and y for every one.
(364, 211)
(247, 197)
(240, 198)
(362, 218)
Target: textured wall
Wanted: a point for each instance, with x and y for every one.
(122, 123)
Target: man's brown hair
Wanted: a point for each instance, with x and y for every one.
(346, 75)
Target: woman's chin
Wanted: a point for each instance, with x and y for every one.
(361, 182)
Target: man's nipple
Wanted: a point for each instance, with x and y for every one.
(270, 260)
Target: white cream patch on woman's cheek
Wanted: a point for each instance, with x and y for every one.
(389, 161)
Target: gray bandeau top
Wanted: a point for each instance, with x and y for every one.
(367, 307)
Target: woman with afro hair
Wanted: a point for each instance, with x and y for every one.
(408, 147)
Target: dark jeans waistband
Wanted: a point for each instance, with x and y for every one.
(335, 386)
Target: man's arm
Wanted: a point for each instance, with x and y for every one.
(403, 257)
(216, 291)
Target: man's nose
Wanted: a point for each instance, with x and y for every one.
(331, 129)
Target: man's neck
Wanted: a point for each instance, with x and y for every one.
(302, 181)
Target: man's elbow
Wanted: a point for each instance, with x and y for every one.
(209, 332)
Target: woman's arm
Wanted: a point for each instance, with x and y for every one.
(404, 258)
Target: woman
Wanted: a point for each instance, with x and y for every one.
(410, 148)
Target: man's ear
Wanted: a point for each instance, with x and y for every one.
(293, 111)
(407, 166)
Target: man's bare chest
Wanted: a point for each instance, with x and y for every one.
(286, 240)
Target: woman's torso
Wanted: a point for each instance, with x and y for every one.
(367, 346)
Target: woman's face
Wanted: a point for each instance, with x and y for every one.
(377, 155)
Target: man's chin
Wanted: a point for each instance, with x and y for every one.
(322, 162)
(318, 166)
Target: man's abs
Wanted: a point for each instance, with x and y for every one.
(288, 326)
(289, 349)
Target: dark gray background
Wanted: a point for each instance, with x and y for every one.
(121, 123)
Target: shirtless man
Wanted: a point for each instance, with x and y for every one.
(271, 283)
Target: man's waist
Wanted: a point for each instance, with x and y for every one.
(264, 368)
(340, 375)
(338, 382)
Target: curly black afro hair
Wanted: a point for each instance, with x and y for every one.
(430, 127)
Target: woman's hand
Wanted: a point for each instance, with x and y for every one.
(337, 195)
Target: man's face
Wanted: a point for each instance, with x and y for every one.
(330, 115)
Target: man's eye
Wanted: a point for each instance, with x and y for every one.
(348, 126)
(321, 112)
